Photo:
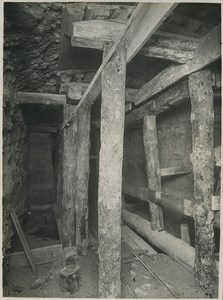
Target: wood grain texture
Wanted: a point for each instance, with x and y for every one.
(110, 175)
(82, 177)
(68, 178)
(150, 139)
(40, 98)
(202, 120)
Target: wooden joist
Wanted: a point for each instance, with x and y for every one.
(40, 256)
(40, 98)
(175, 47)
(150, 17)
(179, 205)
(207, 51)
(144, 21)
(75, 91)
(174, 171)
(41, 128)
(174, 96)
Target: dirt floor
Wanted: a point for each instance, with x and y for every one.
(161, 278)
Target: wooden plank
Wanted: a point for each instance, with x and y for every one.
(174, 96)
(151, 16)
(23, 241)
(40, 98)
(82, 177)
(40, 256)
(164, 45)
(142, 245)
(136, 23)
(40, 128)
(68, 178)
(173, 171)
(75, 91)
(110, 175)
(174, 203)
(207, 51)
(202, 120)
(41, 186)
(153, 169)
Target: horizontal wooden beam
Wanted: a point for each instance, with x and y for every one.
(151, 16)
(207, 51)
(166, 172)
(144, 21)
(174, 247)
(177, 204)
(175, 47)
(40, 128)
(174, 96)
(40, 98)
(75, 91)
(40, 255)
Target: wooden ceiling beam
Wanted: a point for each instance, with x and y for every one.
(175, 47)
(40, 98)
(143, 23)
(207, 51)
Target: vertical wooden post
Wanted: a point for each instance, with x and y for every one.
(68, 180)
(110, 174)
(202, 120)
(153, 168)
(82, 177)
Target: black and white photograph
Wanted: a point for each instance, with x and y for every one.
(111, 149)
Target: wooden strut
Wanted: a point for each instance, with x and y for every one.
(144, 21)
(23, 241)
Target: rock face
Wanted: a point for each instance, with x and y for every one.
(31, 41)
(32, 35)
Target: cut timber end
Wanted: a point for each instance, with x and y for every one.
(110, 175)
(69, 279)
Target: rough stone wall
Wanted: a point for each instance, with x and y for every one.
(31, 41)
(14, 155)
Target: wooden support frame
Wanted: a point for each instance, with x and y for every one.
(68, 178)
(110, 174)
(82, 177)
(144, 21)
(202, 120)
(40, 98)
(153, 169)
(175, 47)
(210, 49)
